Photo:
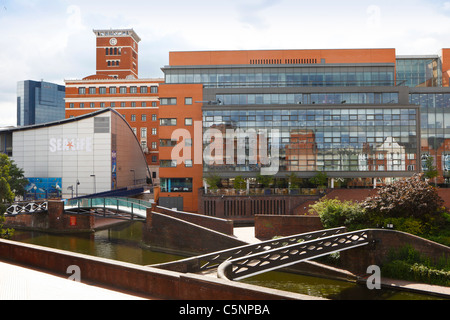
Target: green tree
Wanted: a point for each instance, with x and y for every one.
(239, 183)
(430, 171)
(213, 181)
(14, 175)
(10, 175)
(266, 181)
(320, 179)
(294, 181)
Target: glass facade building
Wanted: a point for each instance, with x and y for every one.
(366, 117)
(39, 102)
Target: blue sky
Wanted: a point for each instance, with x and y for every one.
(53, 40)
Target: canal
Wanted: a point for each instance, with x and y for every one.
(123, 243)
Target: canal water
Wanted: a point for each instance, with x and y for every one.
(123, 243)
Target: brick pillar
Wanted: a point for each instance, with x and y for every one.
(55, 215)
(147, 226)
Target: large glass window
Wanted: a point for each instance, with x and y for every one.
(176, 184)
(331, 140)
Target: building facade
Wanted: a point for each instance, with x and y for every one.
(116, 84)
(39, 102)
(86, 155)
(364, 116)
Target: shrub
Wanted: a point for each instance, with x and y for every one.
(408, 264)
(408, 198)
(333, 213)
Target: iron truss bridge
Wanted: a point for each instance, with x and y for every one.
(249, 260)
(250, 265)
(27, 208)
(112, 208)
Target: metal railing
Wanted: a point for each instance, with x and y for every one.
(27, 207)
(128, 206)
(251, 265)
(213, 260)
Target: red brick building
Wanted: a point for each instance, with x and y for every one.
(116, 84)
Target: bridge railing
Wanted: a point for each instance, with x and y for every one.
(119, 204)
(250, 265)
(27, 207)
(213, 260)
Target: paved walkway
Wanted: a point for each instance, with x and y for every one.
(246, 234)
(18, 283)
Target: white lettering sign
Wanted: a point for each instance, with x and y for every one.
(70, 144)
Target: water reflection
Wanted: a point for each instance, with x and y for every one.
(121, 243)
(329, 289)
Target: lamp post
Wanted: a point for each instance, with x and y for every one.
(78, 183)
(71, 189)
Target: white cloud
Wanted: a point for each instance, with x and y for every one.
(53, 40)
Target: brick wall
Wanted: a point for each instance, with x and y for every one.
(269, 226)
(220, 225)
(357, 260)
(171, 234)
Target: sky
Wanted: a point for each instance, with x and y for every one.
(53, 40)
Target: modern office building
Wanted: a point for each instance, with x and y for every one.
(363, 116)
(116, 84)
(94, 153)
(39, 102)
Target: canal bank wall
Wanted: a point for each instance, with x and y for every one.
(144, 281)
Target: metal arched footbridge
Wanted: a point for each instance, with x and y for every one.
(112, 208)
(250, 260)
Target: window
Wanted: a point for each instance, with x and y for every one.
(154, 159)
(144, 117)
(113, 104)
(133, 104)
(154, 131)
(133, 90)
(123, 90)
(92, 90)
(133, 117)
(143, 104)
(82, 90)
(71, 105)
(102, 104)
(168, 122)
(188, 101)
(102, 90)
(112, 90)
(82, 105)
(168, 163)
(154, 117)
(188, 142)
(143, 133)
(123, 104)
(176, 185)
(92, 105)
(154, 104)
(167, 143)
(188, 163)
(153, 89)
(188, 121)
(144, 89)
(168, 101)
(154, 145)
(134, 131)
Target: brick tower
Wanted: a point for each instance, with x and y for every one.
(117, 53)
